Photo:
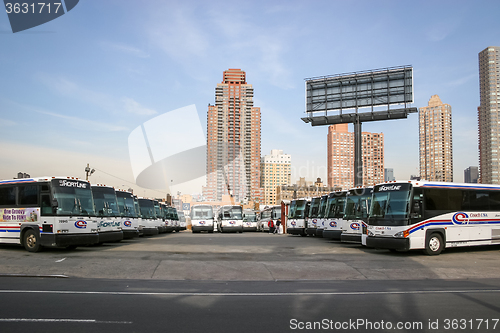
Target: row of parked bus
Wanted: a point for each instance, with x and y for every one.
(232, 218)
(402, 216)
(68, 212)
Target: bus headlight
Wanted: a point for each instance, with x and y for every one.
(401, 234)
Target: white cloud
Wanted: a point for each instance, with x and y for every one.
(131, 106)
(130, 50)
(7, 123)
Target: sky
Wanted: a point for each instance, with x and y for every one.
(73, 90)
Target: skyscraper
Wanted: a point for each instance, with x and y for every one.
(488, 115)
(340, 159)
(275, 170)
(233, 141)
(435, 141)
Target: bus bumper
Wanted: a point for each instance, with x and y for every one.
(295, 231)
(150, 231)
(332, 234)
(110, 236)
(232, 229)
(202, 228)
(249, 228)
(388, 243)
(311, 231)
(128, 234)
(61, 240)
(350, 238)
(319, 232)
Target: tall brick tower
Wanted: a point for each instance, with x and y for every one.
(233, 141)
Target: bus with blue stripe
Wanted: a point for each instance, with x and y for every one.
(432, 216)
(47, 212)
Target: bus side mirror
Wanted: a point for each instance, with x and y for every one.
(55, 204)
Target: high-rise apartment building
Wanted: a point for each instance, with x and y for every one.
(340, 144)
(233, 141)
(488, 115)
(275, 170)
(435, 141)
(471, 174)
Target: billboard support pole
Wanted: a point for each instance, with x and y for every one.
(358, 157)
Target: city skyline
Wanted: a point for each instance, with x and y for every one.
(72, 92)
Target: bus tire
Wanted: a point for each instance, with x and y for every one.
(434, 244)
(31, 241)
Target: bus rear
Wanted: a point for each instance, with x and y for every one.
(202, 218)
(230, 219)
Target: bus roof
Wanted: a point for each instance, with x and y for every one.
(434, 184)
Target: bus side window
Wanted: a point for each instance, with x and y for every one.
(45, 205)
(7, 196)
(28, 195)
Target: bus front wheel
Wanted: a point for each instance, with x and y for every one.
(434, 244)
(31, 241)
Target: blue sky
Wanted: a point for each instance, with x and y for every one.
(73, 89)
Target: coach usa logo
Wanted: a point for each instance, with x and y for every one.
(26, 14)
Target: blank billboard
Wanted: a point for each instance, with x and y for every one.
(379, 87)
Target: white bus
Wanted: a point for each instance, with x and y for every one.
(148, 216)
(250, 221)
(47, 212)
(182, 220)
(129, 218)
(312, 217)
(334, 215)
(433, 215)
(108, 216)
(202, 218)
(356, 213)
(270, 213)
(320, 220)
(230, 218)
(296, 223)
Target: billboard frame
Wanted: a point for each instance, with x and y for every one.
(336, 99)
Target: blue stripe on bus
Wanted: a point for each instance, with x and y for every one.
(431, 223)
(15, 181)
(472, 187)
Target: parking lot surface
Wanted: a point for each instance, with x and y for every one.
(246, 257)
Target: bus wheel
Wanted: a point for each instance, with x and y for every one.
(434, 244)
(31, 241)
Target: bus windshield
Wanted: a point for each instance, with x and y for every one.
(202, 213)
(314, 209)
(297, 209)
(335, 206)
(357, 205)
(73, 199)
(389, 205)
(147, 209)
(126, 204)
(232, 213)
(105, 201)
(250, 216)
(322, 206)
